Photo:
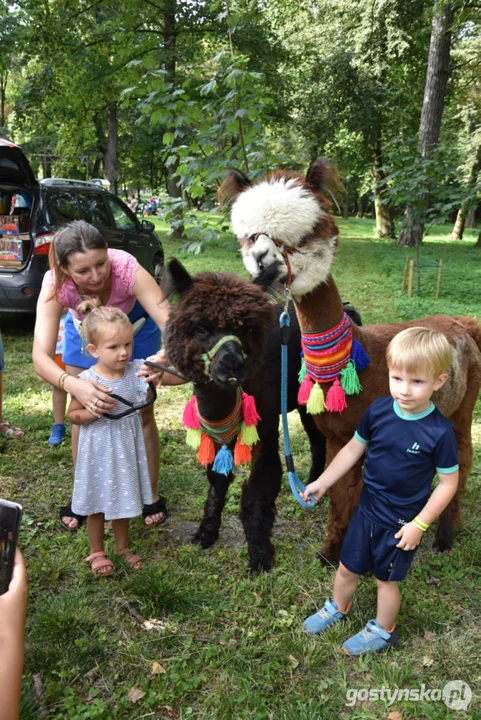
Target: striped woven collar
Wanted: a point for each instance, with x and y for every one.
(327, 352)
(223, 431)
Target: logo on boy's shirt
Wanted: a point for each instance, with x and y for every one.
(415, 449)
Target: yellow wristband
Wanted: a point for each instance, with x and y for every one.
(420, 524)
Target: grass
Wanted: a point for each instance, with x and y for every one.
(220, 643)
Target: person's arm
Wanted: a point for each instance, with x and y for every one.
(410, 535)
(78, 414)
(341, 464)
(151, 297)
(45, 335)
(13, 608)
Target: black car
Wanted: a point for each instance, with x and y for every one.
(32, 210)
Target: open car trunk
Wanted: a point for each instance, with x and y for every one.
(15, 237)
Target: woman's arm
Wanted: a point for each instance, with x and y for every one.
(151, 297)
(13, 607)
(45, 335)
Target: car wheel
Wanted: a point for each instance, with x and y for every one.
(158, 268)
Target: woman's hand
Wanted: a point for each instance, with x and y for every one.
(13, 604)
(91, 394)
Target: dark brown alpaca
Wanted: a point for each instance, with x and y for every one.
(210, 307)
(284, 222)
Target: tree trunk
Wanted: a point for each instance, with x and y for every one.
(434, 94)
(345, 204)
(471, 219)
(110, 157)
(3, 93)
(458, 228)
(478, 241)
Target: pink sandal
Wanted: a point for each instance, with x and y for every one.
(131, 560)
(97, 563)
(10, 431)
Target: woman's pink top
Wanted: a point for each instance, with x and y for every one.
(123, 268)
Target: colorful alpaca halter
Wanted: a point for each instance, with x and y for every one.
(330, 355)
(240, 423)
(210, 354)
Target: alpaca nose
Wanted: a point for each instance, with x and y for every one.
(229, 365)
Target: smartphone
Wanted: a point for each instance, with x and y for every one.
(10, 514)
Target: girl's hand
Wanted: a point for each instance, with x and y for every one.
(410, 537)
(91, 394)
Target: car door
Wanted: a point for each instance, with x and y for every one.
(94, 210)
(126, 224)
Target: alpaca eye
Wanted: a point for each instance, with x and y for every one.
(200, 332)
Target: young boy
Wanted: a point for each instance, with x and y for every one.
(407, 441)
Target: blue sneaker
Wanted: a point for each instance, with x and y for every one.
(57, 435)
(323, 619)
(370, 639)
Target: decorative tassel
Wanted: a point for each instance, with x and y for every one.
(223, 462)
(315, 404)
(350, 380)
(304, 391)
(359, 355)
(242, 453)
(303, 370)
(192, 438)
(190, 419)
(249, 434)
(206, 452)
(336, 399)
(249, 410)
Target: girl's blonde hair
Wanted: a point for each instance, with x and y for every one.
(95, 315)
(420, 349)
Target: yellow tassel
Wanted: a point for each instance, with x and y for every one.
(315, 404)
(249, 434)
(192, 438)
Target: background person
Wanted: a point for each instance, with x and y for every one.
(59, 397)
(83, 267)
(407, 441)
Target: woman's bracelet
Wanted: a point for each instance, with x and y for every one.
(62, 379)
(420, 524)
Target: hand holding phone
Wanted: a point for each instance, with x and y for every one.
(10, 515)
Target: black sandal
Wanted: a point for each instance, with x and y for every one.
(66, 511)
(159, 506)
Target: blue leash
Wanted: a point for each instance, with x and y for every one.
(294, 481)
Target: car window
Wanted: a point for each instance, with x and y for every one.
(122, 220)
(61, 207)
(92, 209)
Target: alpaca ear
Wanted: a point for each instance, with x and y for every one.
(176, 279)
(323, 177)
(232, 186)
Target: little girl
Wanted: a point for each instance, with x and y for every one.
(111, 475)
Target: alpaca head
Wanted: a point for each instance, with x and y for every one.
(285, 211)
(210, 307)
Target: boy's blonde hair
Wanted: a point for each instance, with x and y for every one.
(97, 315)
(420, 349)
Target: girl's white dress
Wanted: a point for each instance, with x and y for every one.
(111, 473)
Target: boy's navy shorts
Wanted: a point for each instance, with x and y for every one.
(370, 547)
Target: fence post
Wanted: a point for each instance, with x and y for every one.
(410, 284)
(439, 278)
(405, 274)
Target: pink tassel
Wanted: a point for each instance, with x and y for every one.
(249, 410)
(304, 391)
(190, 419)
(336, 398)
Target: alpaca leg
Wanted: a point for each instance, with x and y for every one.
(317, 442)
(208, 530)
(450, 517)
(258, 511)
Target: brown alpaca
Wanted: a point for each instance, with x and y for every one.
(284, 222)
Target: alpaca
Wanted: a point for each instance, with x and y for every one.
(284, 223)
(210, 308)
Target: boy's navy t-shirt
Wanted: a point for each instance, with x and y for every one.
(404, 452)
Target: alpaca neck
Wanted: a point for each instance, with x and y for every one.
(320, 309)
(215, 403)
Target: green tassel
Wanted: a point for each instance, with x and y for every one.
(192, 437)
(302, 371)
(249, 435)
(315, 404)
(350, 380)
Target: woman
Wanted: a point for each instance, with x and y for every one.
(82, 266)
